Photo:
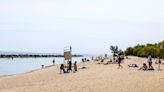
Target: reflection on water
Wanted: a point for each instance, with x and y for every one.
(22, 65)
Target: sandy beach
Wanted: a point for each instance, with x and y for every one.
(95, 78)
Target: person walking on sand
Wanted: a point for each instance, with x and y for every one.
(119, 62)
(149, 61)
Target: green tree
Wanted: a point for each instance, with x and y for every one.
(129, 51)
(144, 50)
(120, 52)
(114, 50)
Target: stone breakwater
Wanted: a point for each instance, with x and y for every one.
(32, 56)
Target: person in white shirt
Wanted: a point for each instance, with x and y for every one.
(149, 61)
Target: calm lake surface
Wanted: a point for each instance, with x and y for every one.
(23, 65)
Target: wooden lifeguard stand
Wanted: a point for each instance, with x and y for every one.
(68, 54)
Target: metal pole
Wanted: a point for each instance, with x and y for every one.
(71, 52)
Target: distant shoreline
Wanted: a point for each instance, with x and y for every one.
(32, 56)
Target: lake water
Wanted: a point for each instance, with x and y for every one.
(23, 65)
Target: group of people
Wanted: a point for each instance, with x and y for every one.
(85, 60)
(117, 59)
(68, 68)
(73, 68)
(150, 67)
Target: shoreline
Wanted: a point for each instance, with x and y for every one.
(34, 70)
(22, 65)
(95, 78)
(1, 76)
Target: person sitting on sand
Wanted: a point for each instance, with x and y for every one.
(102, 60)
(75, 66)
(62, 68)
(109, 62)
(144, 67)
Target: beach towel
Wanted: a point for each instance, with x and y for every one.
(133, 65)
(151, 69)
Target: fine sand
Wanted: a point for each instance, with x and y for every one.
(95, 78)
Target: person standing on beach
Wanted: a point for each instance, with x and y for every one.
(53, 62)
(69, 66)
(159, 63)
(75, 66)
(149, 61)
(119, 62)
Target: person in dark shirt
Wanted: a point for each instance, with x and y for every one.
(53, 62)
(62, 68)
(159, 63)
(69, 66)
(119, 62)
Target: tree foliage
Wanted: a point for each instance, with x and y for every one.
(116, 51)
(155, 50)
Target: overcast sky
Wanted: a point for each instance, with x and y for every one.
(90, 26)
